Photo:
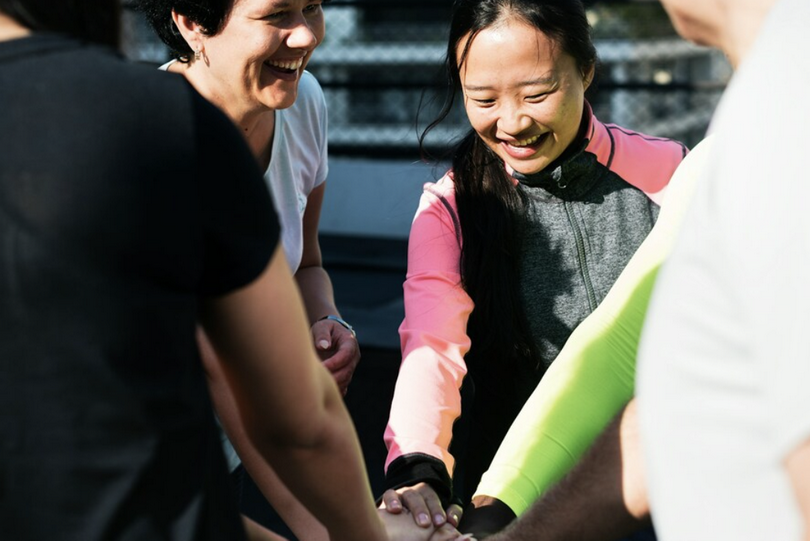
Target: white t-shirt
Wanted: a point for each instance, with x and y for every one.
(298, 163)
(724, 363)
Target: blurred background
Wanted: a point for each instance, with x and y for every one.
(381, 69)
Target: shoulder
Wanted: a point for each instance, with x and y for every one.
(443, 190)
(310, 95)
(642, 160)
(307, 116)
(437, 208)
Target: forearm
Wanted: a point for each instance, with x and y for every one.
(294, 514)
(316, 292)
(257, 532)
(603, 497)
(289, 405)
(331, 459)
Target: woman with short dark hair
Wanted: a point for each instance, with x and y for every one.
(249, 58)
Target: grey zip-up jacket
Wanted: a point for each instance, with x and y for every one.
(585, 219)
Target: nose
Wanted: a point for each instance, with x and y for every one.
(302, 35)
(513, 119)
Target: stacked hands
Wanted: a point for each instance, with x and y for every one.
(419, 505)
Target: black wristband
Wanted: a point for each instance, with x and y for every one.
(414, 468)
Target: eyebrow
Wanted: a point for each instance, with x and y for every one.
(533, 82)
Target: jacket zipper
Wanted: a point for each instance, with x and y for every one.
(583, 262)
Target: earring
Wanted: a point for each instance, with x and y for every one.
(198, 54)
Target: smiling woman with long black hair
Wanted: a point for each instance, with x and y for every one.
(516, 245)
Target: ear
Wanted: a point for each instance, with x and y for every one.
(587, 76)
(191, 31)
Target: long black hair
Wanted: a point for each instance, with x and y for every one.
(97, 21)
(490, 209)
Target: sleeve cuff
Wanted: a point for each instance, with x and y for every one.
(415, 468)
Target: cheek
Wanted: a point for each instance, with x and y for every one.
(319, 30)
(480, 122)
(568, 113)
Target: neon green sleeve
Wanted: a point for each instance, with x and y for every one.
(594, 375)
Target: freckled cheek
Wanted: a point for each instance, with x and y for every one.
(568, 116)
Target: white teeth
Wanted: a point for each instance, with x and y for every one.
(526, 142)
(286, 64)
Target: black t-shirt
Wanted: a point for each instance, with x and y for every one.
(124, 199)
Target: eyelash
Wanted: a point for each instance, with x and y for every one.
(534, 97)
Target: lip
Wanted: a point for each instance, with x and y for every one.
(524, 152)
(280, 73)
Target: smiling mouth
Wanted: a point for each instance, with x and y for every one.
(286, 66)
(526, 142)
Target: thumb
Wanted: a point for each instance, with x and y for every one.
(321, 336)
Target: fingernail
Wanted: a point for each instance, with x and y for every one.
(422, 519)
(394, 504)
(455, 518)
(323, 344)
(438, 519)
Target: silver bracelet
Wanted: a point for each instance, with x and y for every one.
(342, 322)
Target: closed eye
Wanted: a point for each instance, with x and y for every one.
(313, 8)
(483, 102)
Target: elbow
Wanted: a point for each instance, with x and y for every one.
(305, 424)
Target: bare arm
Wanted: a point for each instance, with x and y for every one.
(798, 468)
(309, 437)
(257, 532)
(336, 345)
(302, 523)
(603, 497)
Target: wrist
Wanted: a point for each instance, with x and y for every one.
(340, 321)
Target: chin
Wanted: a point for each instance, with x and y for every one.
(281, 103)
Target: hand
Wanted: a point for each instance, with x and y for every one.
(423, 503)
(338, 349)
(486, 516)
(401, 527)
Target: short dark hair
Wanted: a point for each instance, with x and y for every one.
(209, 14)
(97, 21)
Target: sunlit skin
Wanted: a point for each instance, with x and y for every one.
(11, 29)
(692, 19)
(729, 26)
(239, 66)
(523, 94)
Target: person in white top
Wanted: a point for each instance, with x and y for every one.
(248, 57)
(724, 364)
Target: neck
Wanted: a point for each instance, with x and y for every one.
(11, 29)
(255, 124)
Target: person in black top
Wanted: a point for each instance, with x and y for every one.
(130, 209)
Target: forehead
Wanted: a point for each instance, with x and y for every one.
(511, 49)
(264, 5)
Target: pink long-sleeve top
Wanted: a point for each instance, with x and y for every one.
(433, 334)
